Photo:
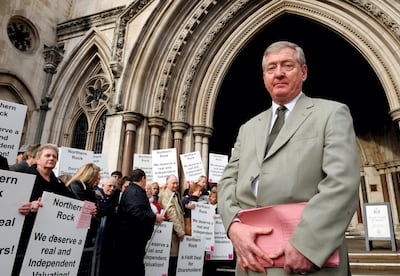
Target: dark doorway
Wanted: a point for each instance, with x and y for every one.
(336, 70)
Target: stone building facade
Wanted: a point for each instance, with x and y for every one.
(123, 77)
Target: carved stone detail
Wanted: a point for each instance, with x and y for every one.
(119, 42)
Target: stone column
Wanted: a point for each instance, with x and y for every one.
(201, 139)
(179, 129)
(156, 124)
(52, 55)
(131, 121)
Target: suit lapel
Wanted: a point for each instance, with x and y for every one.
(261, 130)
(300, 112)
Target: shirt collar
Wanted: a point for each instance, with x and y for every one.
(289, 106)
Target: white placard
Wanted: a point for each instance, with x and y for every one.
(15, 189)
(71, 159)
(217, 163)
(144, 162)
(156, 260)
(12, 118)
(192, 165)
(223, 248)
(191, 257)
(164, 164)
(378, 224)
(101, 161)
(55, 250)
(203, 216)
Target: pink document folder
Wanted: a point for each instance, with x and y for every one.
(283, 219)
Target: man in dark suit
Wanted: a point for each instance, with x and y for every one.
(135, 224)
(313, 159)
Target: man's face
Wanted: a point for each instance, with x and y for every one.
(172, 184)
(109, 187)
(283, 76)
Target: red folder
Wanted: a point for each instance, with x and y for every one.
(283, 218)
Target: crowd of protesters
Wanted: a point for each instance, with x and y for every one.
(126, 208)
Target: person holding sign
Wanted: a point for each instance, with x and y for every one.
(313, 159)
(46, 160)
(188, 202)
(82, 185)
(135, 225)
(171, 203)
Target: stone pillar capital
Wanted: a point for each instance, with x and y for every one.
(157, 122)
(132, 118)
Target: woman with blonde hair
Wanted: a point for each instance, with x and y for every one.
(82, 184)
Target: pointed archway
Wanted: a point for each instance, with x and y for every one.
(336, 71)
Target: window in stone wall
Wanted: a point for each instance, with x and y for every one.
(22, 34)
(99, 135)
(80, 133)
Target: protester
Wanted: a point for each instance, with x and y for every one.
(314, 159)
(170, 201)
(20, 155)
(82, 185)
(188, 202)
(107, 202)
(135, 221)
(155, 206)
(117, 175)
(214, 196)
(29, 158)
(46, 160)
(202, 181)
(156, 190)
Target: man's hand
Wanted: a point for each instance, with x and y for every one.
(159, 219)
(243, 239)
(295, 262)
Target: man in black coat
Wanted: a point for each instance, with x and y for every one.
(135, 222)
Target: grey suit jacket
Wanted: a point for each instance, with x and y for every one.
(314, 159)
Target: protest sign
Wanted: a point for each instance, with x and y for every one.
(101, 161)
(12, 117)
(203, 223)
(192, 166)
(191, 257)
(164, 164)
(71, 159)
(144, 162)
(223, 248)
(158, 247)
(15, 189)
(217, 163)
(55, 250)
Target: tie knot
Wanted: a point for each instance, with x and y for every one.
(281, 108)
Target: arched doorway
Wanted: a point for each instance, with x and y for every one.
(336, 71)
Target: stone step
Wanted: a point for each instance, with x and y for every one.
(374, 263)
